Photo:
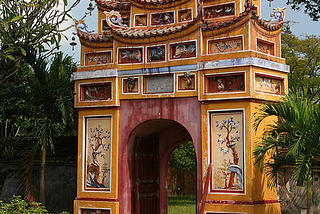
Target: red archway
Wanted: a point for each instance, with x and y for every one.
(174, 121)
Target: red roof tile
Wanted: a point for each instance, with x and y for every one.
(95, 37)
(115, 5)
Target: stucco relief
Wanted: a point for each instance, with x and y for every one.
(98, 153)
(227, 151)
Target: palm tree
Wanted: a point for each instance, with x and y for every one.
(48, 96)
(291, 139)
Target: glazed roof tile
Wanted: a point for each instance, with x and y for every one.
(115, 5)
(142, 33)
(269, 26)
(95, 37)
(155, 2)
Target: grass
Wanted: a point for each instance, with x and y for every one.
(182, 204)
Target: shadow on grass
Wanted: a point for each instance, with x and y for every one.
(182, 204)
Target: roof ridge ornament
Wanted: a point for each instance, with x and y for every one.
(277, 14)
(114, 19)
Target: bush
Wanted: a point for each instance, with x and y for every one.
(19, 206)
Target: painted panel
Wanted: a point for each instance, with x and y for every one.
(265, 47)
(225, 83)
(227, 151)
(269, 84)
(183, 50)
(99, 58)
(225, 45)
(94, 211)
(131, 85)
(159, 84)
(98, 91)
(186, 82)
(184, 15)
(130, 55)
(98, 153)
(162, 18)
(141, 20)
(156, 53)
(217, 11)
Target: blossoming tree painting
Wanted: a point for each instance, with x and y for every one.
(227, 151)
(98, 153)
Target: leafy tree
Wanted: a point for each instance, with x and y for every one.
(303, 57)
(292, 139)
(27, 25)
(47, 106)
(310, 7)
(183, 159)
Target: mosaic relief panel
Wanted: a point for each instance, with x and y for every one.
(156, 54)
(159, 84)
(225, 83)
(141, 20)
(183, 50)
(187, 81)
(269, 84)
(130, 85)
(162, 18)
(217, 11)
(98, 58)
(96, 92)
(265, 47)
(94, 211)
(132, 55)
(184, 15)
(98, 153)
(225, 45)
(227, 146)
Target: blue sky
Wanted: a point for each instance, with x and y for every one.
(305, 25)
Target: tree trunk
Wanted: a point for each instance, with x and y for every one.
(42, 190)
(309, 195)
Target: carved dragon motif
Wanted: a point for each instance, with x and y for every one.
(114, 19)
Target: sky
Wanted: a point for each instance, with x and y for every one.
(304, 25)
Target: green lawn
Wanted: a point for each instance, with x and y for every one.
(182, 204)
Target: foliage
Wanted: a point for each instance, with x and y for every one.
(303, 57)
(292, 139)
(311, 7)
(183, 158)
(27, 25)
(18, 206)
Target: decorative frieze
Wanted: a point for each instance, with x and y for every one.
(217, 11)
(98, 58)
(265, 47)
(130, 55)
(158, 84)
(183, 50)
(227, 151)
(225, 45)
(156, 53)
(269, 84)
(162, 18)
(97, 91)
(224, 83)
(184, 15)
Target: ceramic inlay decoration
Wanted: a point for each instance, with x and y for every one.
(219, 11)
(98, 153)
(265, 47)
(141, 20)
(227, 146)
(162, 18)
(133, 55)
(156, 53)
(225, 45)
(98, 58)
(225, 83)
(183, 50)
(269, 84)
(184, 15)
(96, 92)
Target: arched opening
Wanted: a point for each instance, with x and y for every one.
(152, 143)
(182, 179)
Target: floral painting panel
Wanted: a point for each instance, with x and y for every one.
(227, 145)
(98, 153)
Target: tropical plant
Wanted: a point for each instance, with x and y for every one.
(292, 138)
